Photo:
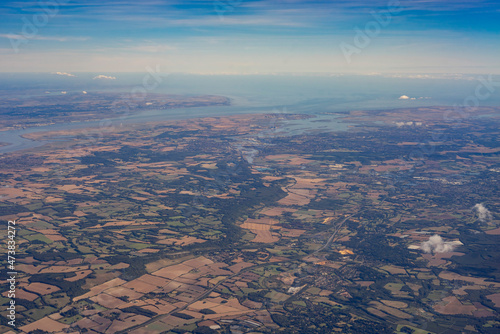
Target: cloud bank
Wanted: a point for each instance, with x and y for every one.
(65, 74)
(102, 76)
(406, 97)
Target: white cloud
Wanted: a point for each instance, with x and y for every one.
(64, 92)
(102, 76)
(435, 244)
(84, 92)
(406, 97)
(65, 74)
(483, 214)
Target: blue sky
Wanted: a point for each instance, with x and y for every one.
(233, 36)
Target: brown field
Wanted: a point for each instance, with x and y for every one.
(199, 305)
(391, 311)
(278, 211)
(264, 236)
(286, 278)
(100, 288)
(140, 286)
(154, 266)
(198, 262)
(236, 268)
(79, 275)
(298, 161)
(153, 280)
(13, 192)
(254, 226)
(119, 325)
(294, 199)
(167, 231)
(119, 266)
(53, 235)
(29, 269)
(159, 306)
(394, 270)
(272, 178)
(184, 241)
(70, 223)
(495, 298)
(86, 323)
(52, 199)
(433, 260)
(42, 288)
(22, 294)
(494, 232)
(262, 231)
(63, 269)
(436, 260)
(73, 262)
(107, 301)
(300, 191)
(120, 291)
(173, 271)
(291, 233)
(265, 221)
(79, 213)
(251, 304)
(479, 149)
(376, 312)
(215, 269)
(462, 291)
(482, 311)
(395, 304)
(44, 324)
(171, 286)
(325, 292)
(232, 307)
(480, 281)
(451, 305)
(120, 223)
(308, 183)
(68, 187)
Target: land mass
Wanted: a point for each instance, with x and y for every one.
(229, 224)
(42, 109)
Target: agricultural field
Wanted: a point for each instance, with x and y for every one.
(217, 225)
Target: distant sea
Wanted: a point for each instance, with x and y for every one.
(322, 95)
